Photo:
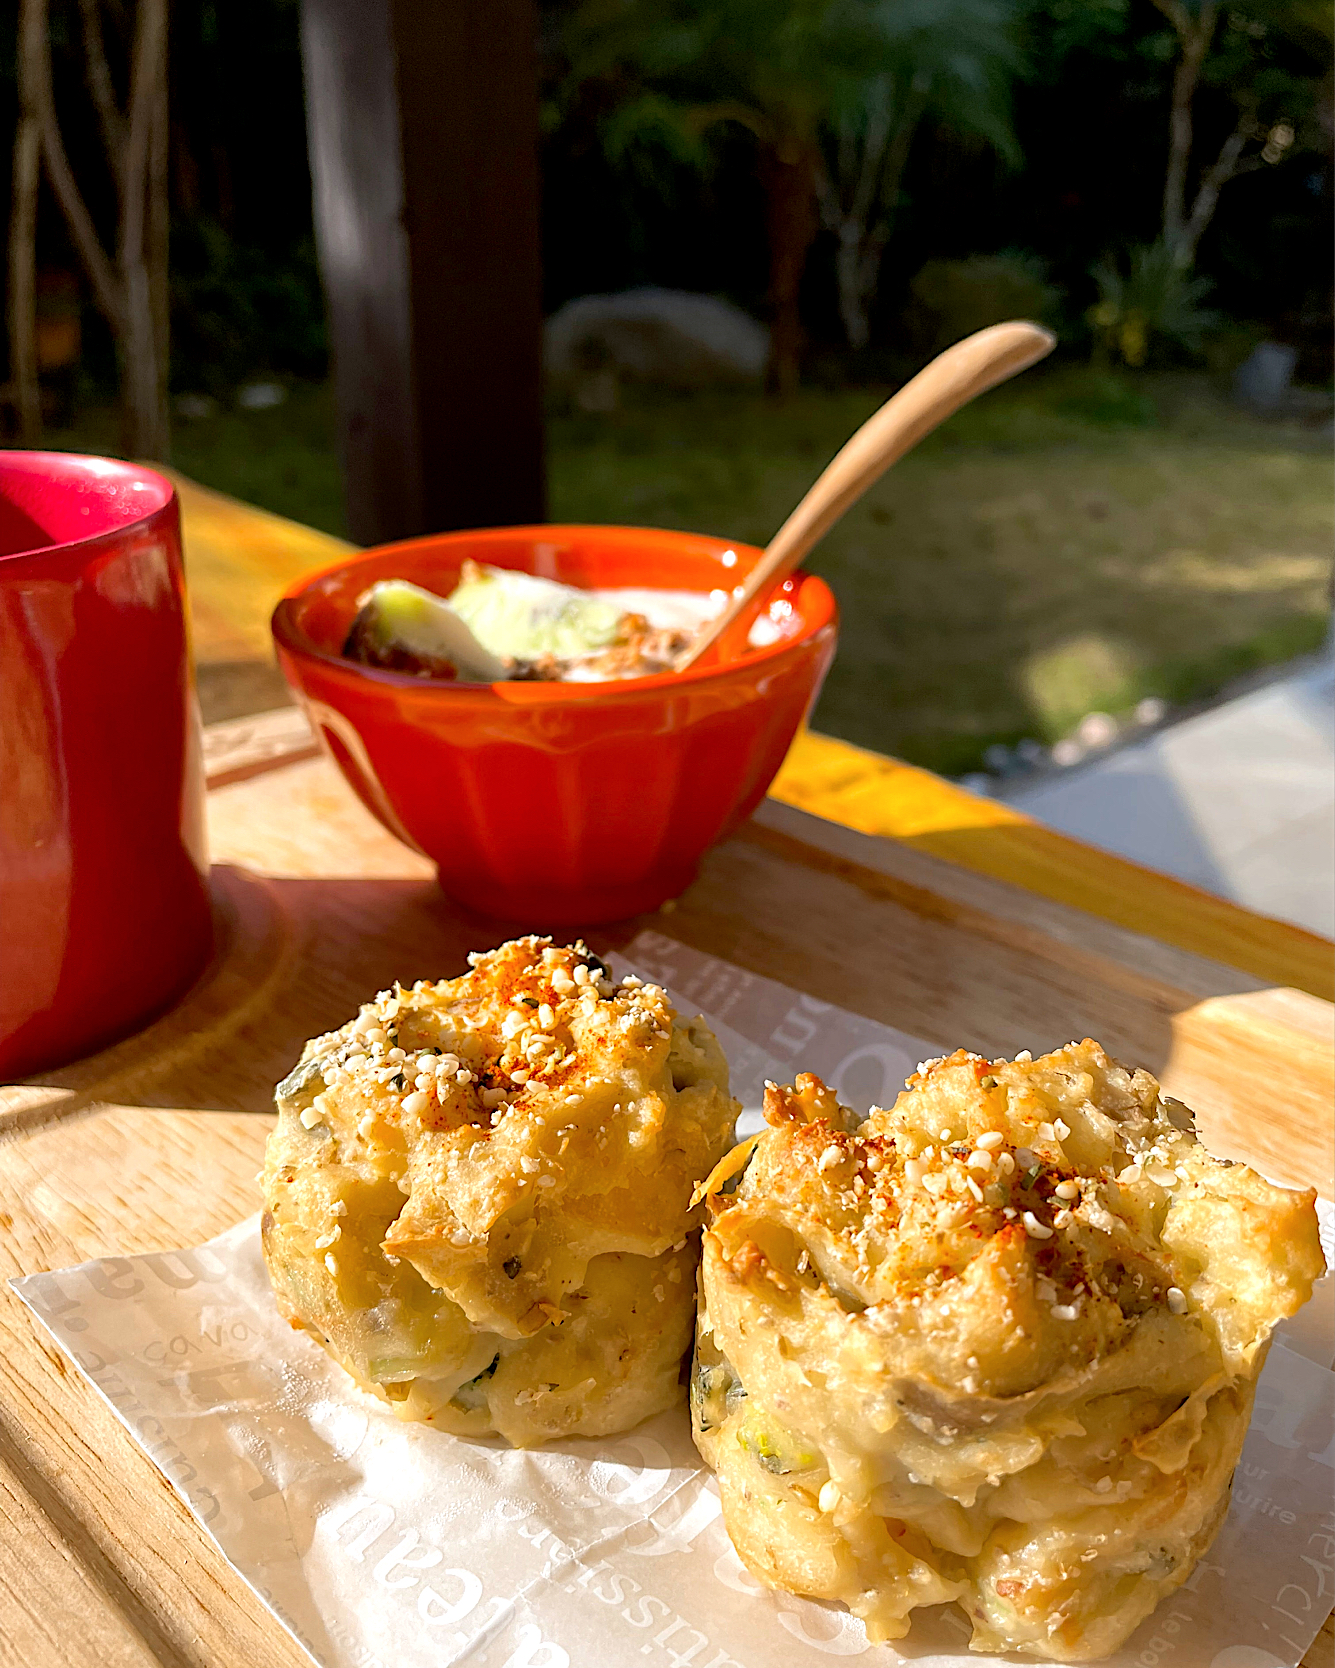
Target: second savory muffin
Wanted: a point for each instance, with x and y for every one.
(479, 1194)
(997, 1345)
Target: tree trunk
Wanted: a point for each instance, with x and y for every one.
(130, 290)
(857, 262)
(35, 70)
(857, 204)
(142, 433)
(143, 376)
(23, 278)
(788, 175)
(1195, 35)
(159, 226)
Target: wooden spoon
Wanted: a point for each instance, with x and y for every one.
(953, 378)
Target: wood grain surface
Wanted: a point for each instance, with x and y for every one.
(876, 795)
(155, 1142)
(239, 559)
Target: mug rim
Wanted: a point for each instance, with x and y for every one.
(290, 639)
(127, 470)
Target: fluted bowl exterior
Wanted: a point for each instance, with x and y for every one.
(560, 803)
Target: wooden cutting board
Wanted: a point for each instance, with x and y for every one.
(155, 1143)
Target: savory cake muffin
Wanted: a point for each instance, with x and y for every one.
(478, 1194)
(997, 1345)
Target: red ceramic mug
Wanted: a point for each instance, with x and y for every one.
(104, 904)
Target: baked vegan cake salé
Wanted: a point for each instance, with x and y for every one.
(995, 1345)
(478, 1194)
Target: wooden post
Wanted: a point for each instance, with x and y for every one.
(423, 125)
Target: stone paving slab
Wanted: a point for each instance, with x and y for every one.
(1239, 800)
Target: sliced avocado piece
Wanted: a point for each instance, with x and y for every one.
(520, 615)
(404, 628)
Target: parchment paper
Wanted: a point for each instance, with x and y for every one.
(380, 1544)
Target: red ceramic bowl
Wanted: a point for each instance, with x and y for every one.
(558, 804)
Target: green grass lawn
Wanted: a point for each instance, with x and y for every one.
(1072, 542)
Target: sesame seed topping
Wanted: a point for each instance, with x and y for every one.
(980, 1160)
(1067, 1190)
(990, 1140)
(1061, 1129)
(974, 1188)
(310, 1117)
(829, 1496)
(1034, 1228)
(416, 1103)
(1176, 1299)
(1065, 1311)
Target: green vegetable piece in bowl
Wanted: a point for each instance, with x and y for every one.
(403, 628)
(524, 617)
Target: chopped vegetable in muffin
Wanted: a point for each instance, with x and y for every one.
(996, 1345)
(479, 1194)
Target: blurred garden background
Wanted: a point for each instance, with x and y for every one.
(1123, 532)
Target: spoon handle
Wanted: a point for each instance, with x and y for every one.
(951, 380)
